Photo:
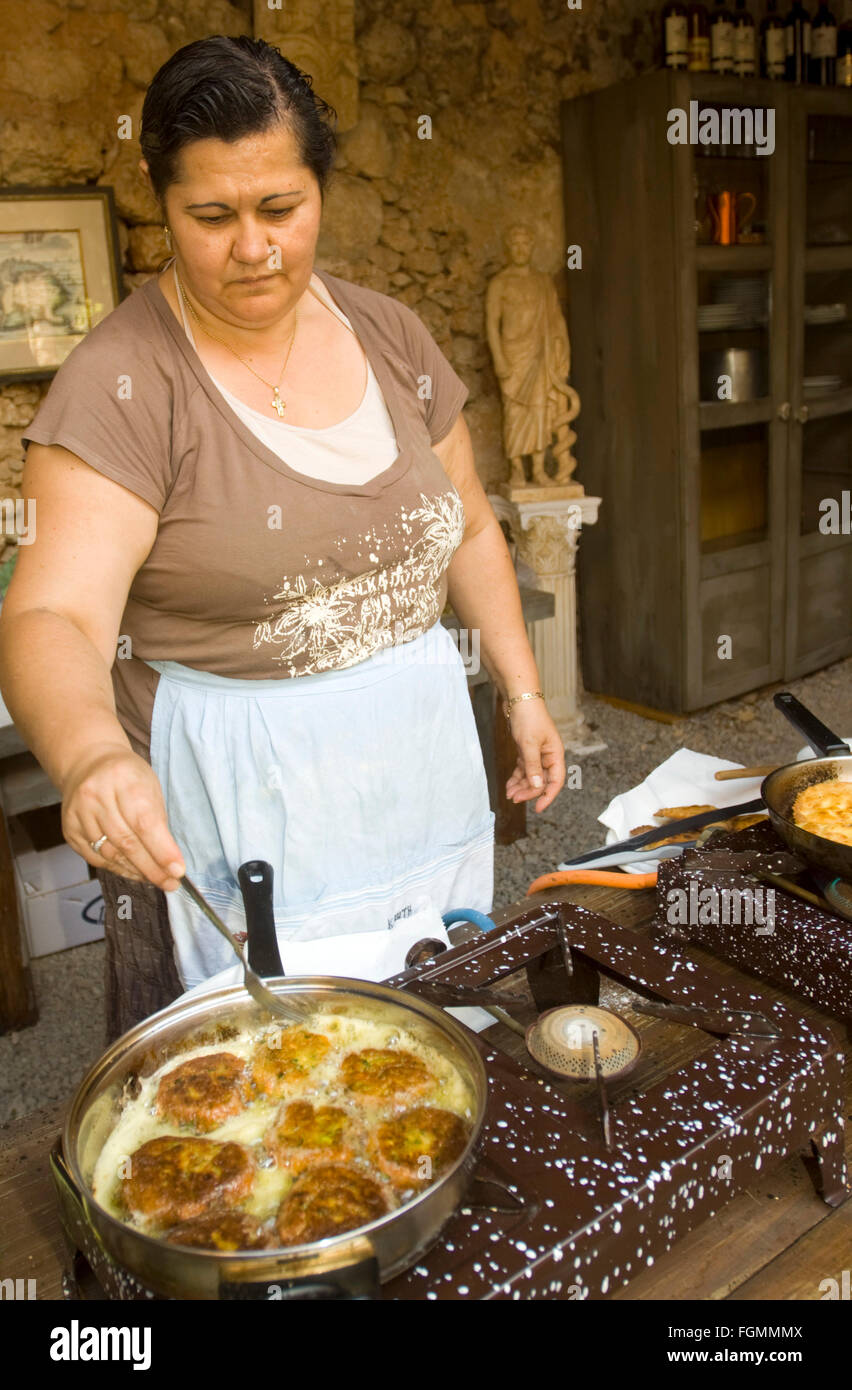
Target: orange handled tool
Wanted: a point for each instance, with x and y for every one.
(602, 876)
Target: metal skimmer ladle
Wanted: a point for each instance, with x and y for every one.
(294, 1010)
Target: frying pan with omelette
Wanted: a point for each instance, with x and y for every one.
(810, 803)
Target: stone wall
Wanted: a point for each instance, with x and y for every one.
(421, 219)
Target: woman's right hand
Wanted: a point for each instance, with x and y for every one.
(112, 791)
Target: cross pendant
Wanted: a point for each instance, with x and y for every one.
(277, 402)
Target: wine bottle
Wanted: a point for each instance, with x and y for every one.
(675, 54)
(745, 64)
(773, 44)
(698, 38)
(798, 25)
(721, 38)
(844, 48)
(822, 68)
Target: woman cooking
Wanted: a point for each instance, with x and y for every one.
(255, 492)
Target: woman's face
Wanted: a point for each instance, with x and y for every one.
(241, 211)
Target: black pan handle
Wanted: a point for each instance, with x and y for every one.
(356, 1282)
(255, 879)
(312, 1289)
(824, 743)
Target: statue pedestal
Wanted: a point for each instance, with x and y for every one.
(531, 492)
(547, 523)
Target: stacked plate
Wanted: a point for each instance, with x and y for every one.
(822, 385)
(749, 291)
(740, 301)
(825, 313)
(712, 317)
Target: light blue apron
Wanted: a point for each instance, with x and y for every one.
(364, 788)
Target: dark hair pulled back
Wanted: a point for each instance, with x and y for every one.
(225, 88)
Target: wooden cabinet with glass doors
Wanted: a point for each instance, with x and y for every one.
(711, 332)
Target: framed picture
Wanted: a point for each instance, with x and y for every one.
(60, 274)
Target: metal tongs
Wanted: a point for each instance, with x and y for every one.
(594, 858)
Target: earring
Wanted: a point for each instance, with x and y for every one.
(168, 234)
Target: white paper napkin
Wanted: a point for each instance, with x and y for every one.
(684, 779)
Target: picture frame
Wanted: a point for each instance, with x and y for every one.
(60, 274)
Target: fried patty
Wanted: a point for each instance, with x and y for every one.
(221, 1230)
(414, 1148)
(735, 823)
(326, 1201)
(743, 822)
(669, 840)
(204, 1091)
(301, 1136)
(173, 1179)
(380, 1075)
(277, 1069)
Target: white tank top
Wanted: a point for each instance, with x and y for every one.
(352, 451)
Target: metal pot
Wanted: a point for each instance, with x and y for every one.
(385, 1247)
(780, 789)
(746, 367)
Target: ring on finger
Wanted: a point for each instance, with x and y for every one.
(96, 844)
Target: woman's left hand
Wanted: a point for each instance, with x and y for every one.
(540, 755)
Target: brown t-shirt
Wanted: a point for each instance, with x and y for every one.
(257, 570)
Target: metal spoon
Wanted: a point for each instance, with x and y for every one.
(294, 1010)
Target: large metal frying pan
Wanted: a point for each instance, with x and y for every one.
(338, 1266)
(388, 1244)
(780, 789)
(829, 861)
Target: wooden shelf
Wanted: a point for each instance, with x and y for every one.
(816, 543)
(721, 415)
(733, 553)
(729, 90)
(713, 257)
(837, 403)
(828, 258)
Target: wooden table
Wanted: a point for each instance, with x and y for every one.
(776, 1240)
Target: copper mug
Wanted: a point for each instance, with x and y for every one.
(727, 214)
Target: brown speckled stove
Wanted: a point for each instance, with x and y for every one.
(808, 950)
(563, 1206)
(589, 1218)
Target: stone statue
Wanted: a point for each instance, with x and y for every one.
(529, 345)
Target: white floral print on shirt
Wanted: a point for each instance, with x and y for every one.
(328, 627)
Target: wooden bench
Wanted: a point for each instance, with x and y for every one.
(498, 748)
(24, 786)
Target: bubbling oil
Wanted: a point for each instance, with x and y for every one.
(139, 1121)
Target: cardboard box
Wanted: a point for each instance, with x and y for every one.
(60, 905)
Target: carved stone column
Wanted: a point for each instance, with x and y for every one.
(547, 523)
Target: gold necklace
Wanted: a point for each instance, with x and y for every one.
(277, 403)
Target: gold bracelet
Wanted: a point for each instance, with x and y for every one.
(527, 695)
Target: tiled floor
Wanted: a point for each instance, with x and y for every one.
(45, 1063)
